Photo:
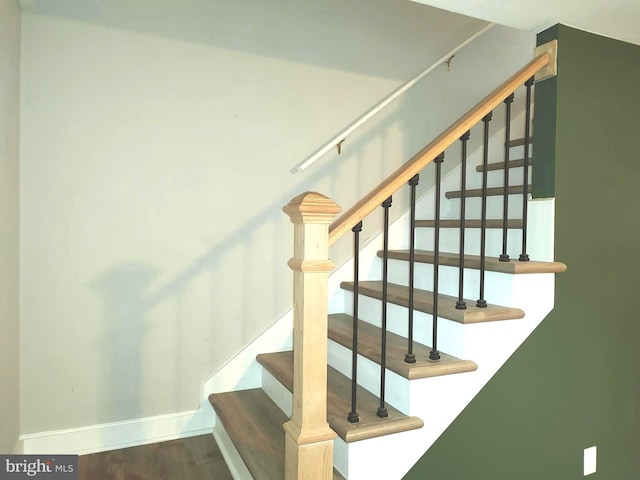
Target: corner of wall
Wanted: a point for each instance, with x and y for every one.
(9, 223)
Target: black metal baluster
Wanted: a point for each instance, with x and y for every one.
(504, 256)
(524, 257)
(353, 415)
(410, 356)
(482, 303)
(461, 304)
(434, 354)
(382, 410)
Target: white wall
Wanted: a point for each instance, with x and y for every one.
(9, 245)
(157, 146)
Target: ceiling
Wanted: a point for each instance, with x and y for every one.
(619, 19)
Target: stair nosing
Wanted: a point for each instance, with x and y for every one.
(495, 166)
(518, 142)
(492, 264)
(491, 192)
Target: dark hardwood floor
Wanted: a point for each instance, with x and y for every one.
(195, 458)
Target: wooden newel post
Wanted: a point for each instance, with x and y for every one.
(308, 437)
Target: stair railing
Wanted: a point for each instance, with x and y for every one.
(309, 447)
(425, 156)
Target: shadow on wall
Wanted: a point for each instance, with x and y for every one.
(123, 290)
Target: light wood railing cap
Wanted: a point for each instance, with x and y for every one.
(438, 145)
(311, 207)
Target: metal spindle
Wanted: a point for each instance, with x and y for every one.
(524, 257)
(461, 304)
(353, 415)
(482, 303)
(504, 256)
(434, 354)
(413, 183)
(382, 410)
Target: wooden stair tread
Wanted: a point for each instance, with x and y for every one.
(517, 142)
(280, 365)
(471, 223)
(500, 165)
(491, 192)
(254, 423)
(423, 302)
(492, 264)
(341, 331)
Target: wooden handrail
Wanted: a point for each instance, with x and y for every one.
(403, 174)
(339, 138)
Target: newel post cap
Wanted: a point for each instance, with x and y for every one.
(311, 207)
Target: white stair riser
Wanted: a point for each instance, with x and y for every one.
(277, 392)
(498, 286)
(495, 178)
(231, 456)
(516, 153)
(341, 457)
(450, 208)
(382, 457)
(398, 272)
(450, 240)
(396, 387)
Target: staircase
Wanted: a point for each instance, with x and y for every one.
(419, 399)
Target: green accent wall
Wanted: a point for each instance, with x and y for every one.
(575, 382)
(545, 125)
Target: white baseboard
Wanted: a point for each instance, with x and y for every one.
(19, 447)
(128, 433)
